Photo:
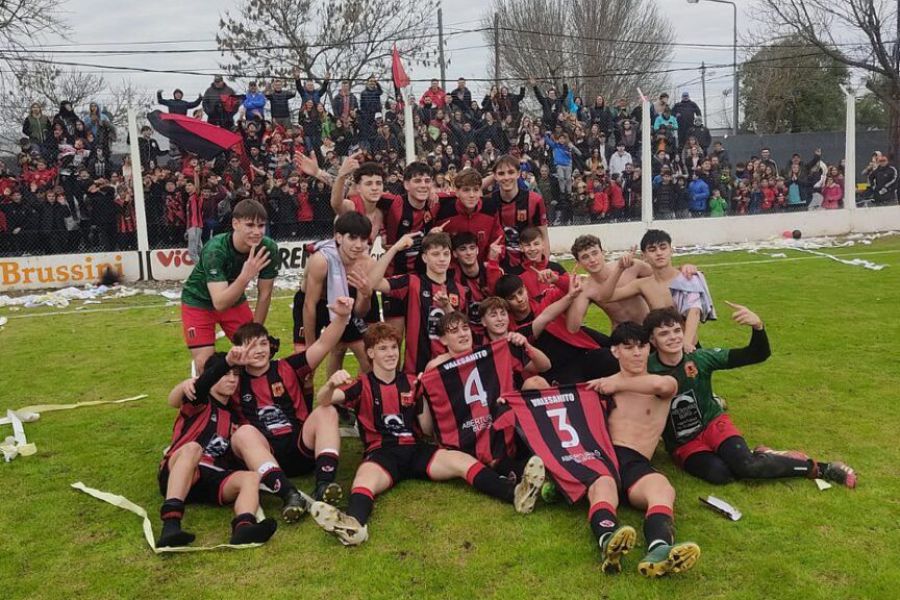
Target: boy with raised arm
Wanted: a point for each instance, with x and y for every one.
(368, 185)
(387, 411)
(699, 435)
(635, 424)
(214, 293)
(517, 208)
(270, 398)
(477, 276)
(537, 271)
(199, 465)
(425, 298)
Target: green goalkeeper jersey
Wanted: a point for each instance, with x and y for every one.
(220, 261)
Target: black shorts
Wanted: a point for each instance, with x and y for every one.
(393, 308)
(292, 455)
(352, 333)
(571, 364)
(205, 489)
(404, 462)
(633, 466)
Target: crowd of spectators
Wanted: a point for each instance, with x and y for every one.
(68, 193)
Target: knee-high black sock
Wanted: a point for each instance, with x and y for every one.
(245, 529)
(602, 517)
(488, 482)
(659, 526)
(275, 479)
(326, 467)
(171, 513)
(362, 500)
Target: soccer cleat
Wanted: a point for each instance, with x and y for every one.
(721, 402)
(839, 473)
(527, 490)
(666, 559)
(614, 546)
(330, 492)
(344, 527)
(295, 506)
(795, 454)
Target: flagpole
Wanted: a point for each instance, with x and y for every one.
(408, 129)
(137, 179)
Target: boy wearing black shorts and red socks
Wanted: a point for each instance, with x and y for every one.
(199, 465)
(385, 404)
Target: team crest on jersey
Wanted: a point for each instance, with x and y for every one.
(454, 299)
(690, 369)
(406, 399)
(405, 223)
(247, 398)
(521, 215)
(278, 389)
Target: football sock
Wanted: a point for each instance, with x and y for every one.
(172, 512)
(602, 517)
(326, 466)
(245, 529)
(275, 479)
(487, 481)
(659, 526)
(362, 500)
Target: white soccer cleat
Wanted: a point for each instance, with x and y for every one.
(344, 527)
(529, 488)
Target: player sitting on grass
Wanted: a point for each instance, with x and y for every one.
(214, 291)
(699, 435)
(199, 465)
(635, 424)
(495, 321)
(387, 412)
(270, 398)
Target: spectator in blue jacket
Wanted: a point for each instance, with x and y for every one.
(667, 119)
(254, 103)
(562, 158)
(698, 190)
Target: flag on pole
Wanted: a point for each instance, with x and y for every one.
(401, 79)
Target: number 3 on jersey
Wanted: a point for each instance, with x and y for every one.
(474, 389)
(562, 424)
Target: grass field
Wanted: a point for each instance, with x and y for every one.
(830, 389)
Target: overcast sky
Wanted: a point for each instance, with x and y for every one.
(114, 21)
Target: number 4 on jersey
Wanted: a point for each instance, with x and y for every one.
(474, 389)
(562, 423)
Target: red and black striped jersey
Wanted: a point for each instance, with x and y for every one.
(557, 327)
(483, 222)
(462, 396)
(567, 428)
(274, 402)
(423, 314)
(401, 217)
(480, 287)
(204, 420)
(528, 273)
(525, 210)
(387, 412)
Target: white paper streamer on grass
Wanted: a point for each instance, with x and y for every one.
(16, 444)
(126, 504)
(854, 262)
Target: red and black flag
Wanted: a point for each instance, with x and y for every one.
(401, 79)
(193, 135)
(462, 396)
(566, 427)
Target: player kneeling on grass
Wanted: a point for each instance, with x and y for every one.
(270, 398)
(388, 414)
(199, 465)
(635, 424)
(699, 435)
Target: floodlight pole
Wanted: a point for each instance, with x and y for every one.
(850, 154)
(646, 158)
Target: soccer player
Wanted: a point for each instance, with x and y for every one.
(214, 293)
(642, 407)
(271, 399)
(537, 271)
(576, 356)
(700, 437)
(425, 298)
(465, 212)
(199, 465)
(394, 449)
(495, 322)
(368, 182)
(518, 208)
(471, 273)
(338, 267)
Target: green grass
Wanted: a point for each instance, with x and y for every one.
(830, 389)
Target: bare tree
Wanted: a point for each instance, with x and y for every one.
(862, 34)
(601, 47)
(350, 39)
(24, 20)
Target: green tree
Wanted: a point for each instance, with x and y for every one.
(787, 86)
